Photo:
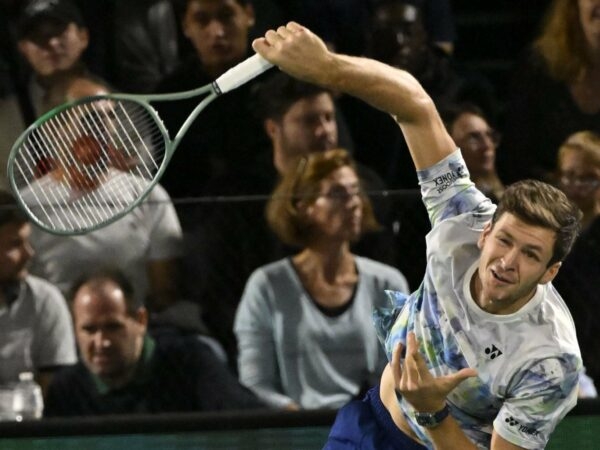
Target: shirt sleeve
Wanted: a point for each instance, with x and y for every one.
(257, 361)
(54, 338)
(545, 392)
(448, 191)
(166, 236)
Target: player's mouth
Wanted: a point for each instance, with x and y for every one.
(500, 277)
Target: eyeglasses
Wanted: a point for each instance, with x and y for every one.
(588, 182)
(477, 138)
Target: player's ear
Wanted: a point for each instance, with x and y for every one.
(484, 234)
(550, 273)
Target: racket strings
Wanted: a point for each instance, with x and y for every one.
(90, 161)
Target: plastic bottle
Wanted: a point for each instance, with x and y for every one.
(28, 403)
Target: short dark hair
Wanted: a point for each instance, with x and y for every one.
(10, 212)
(540, 204)
(452, 111)
(275, 96)
(102, 275)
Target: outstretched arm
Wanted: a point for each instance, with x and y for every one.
(300, 53)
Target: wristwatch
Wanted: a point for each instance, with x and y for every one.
(431, 420)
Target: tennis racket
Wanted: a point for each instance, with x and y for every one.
(87, 163)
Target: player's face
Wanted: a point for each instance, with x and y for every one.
(110, 340)
(218, 30)
(15, 251)
(514, 259)
(55, 50)
(336, 215)
(308, 126)
(477, 141)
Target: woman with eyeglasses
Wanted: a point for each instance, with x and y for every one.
(578, 176)
(304, 329)
(579, 173)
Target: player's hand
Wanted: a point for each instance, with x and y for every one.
(415, 383)
(295, 50)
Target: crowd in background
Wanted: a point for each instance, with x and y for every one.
(249, 272)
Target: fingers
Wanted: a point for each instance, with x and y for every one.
(397, 364)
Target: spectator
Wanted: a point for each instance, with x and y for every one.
(123, 370)
(52, 38)
(299, 118)
(579, 173)
(578, 165)
(478, 141)
(555, 91)
(35, 329)
(303, 325)
(398, 37)
(145, 244)
(225, 138)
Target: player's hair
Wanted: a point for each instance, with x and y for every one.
(300, 187)
(561, 43)
(9, 209)
(97, 278)
(540, 204)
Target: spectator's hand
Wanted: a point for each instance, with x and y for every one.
(295, 50)
(415, 383)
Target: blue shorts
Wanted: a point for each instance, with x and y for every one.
(367, 425)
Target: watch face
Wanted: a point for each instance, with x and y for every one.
(430, 420)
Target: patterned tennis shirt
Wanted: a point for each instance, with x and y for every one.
(528, 362)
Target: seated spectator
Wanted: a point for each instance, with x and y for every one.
(478, 141)
(579, 173)
(578, 176)
(124, 371)
(398, 37)
(555, 91)
(145, 244)
(52, 38)
(303, 325)
(225, 138)
(36, 334)
(299, 118)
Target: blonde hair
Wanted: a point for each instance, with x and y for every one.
(302, 184)
(585, 142)
(562, 43)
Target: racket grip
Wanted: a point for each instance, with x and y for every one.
(242, 73)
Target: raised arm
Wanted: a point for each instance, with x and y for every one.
(302, 54)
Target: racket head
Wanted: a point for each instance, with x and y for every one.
(87, 163)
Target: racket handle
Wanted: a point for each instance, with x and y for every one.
(242, 73)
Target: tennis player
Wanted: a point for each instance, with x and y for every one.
(484, 354)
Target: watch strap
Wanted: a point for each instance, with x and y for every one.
(431, 420)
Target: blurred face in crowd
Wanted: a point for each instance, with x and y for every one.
(307, 126)
(218, 30)
(477, 141)
(398, 36)
(54, 47)
(336, 214)
(589, 17)
(15, 251)
(579, 178)
(110, 339)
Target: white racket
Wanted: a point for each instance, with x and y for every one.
(87, 163)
